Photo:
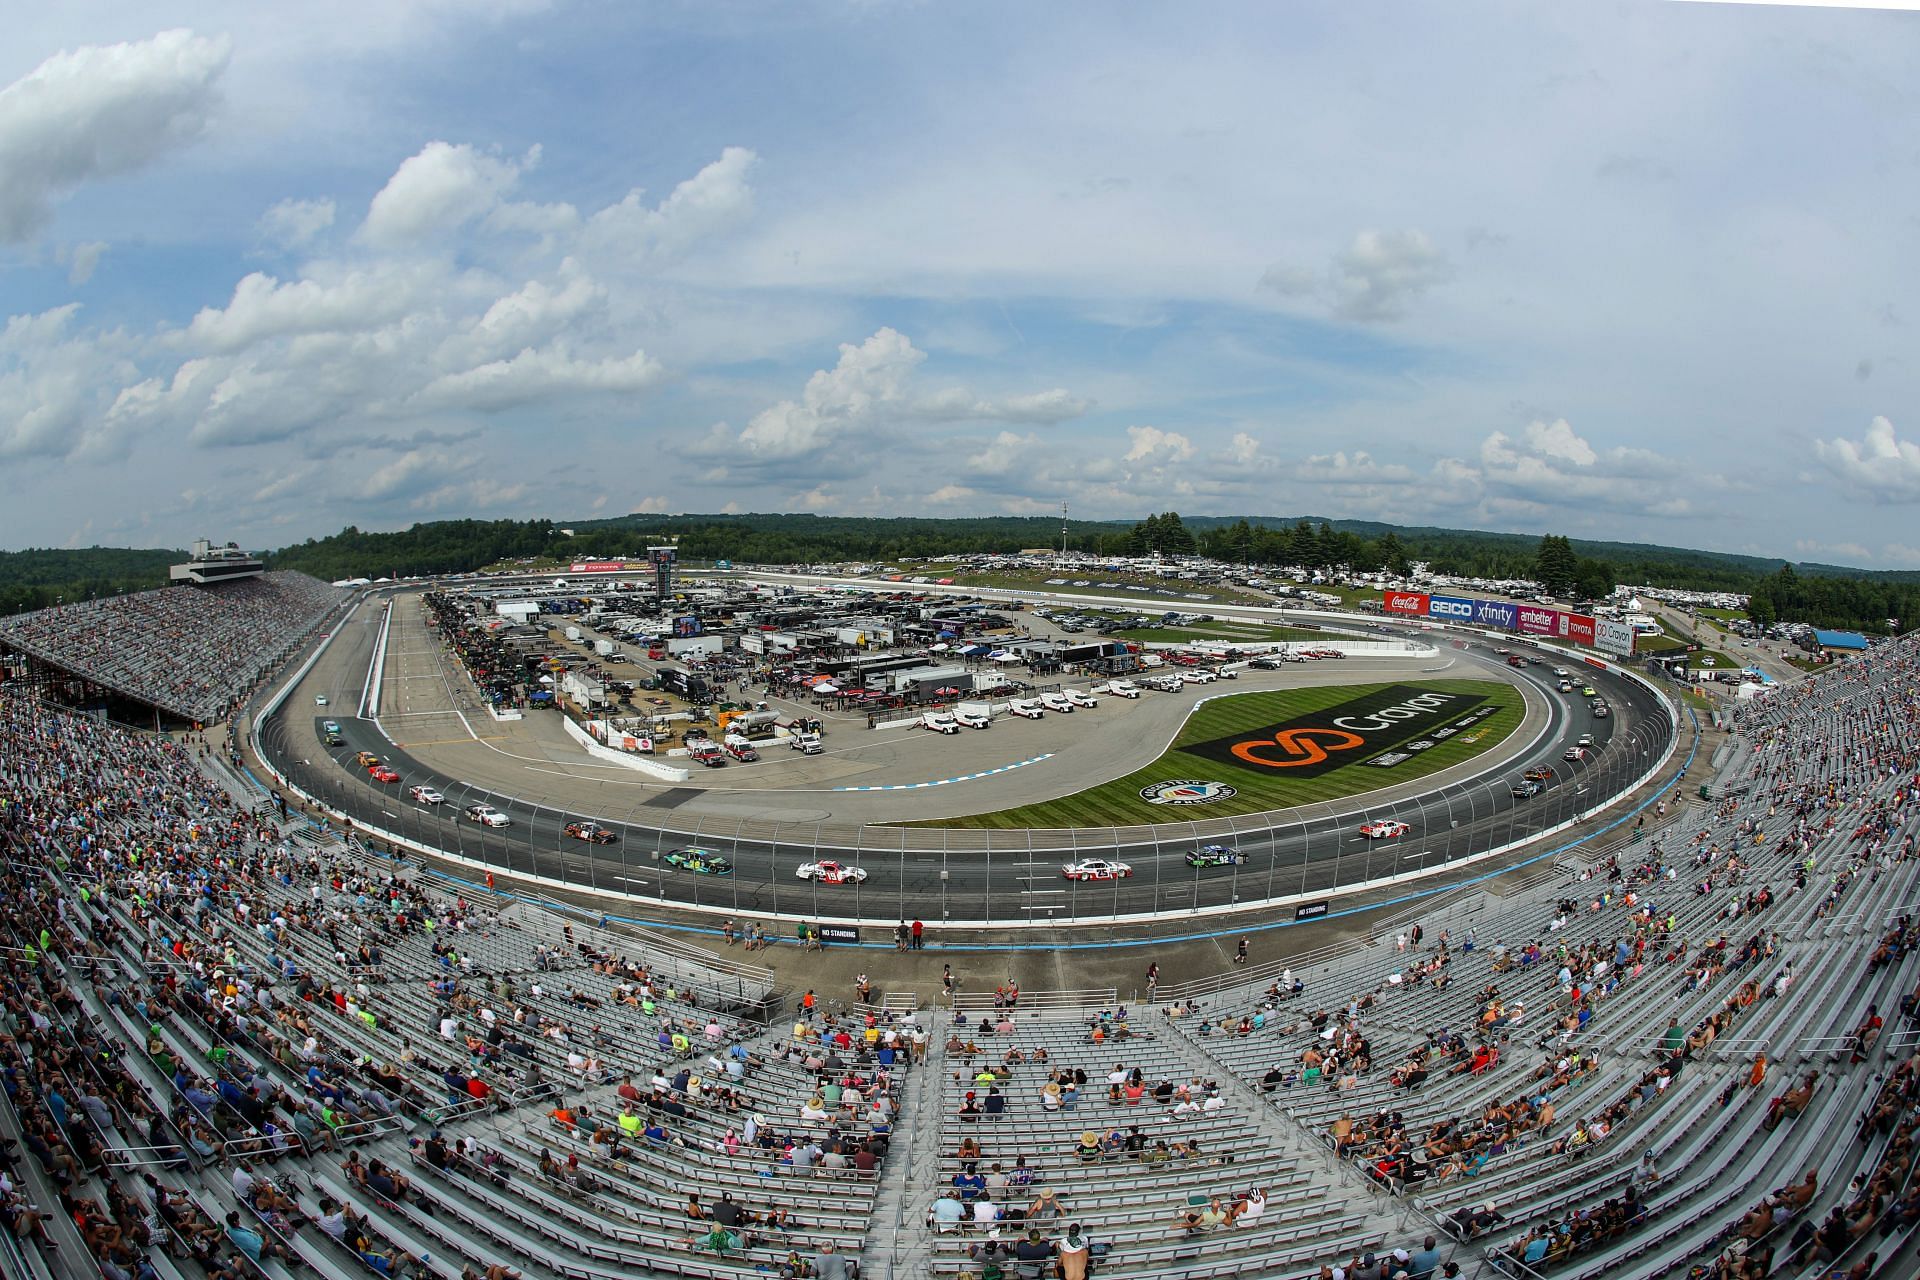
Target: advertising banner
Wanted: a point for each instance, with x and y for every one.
(838, 933)
(1610, 635)
(1452, 608)
(1360, 729)
(1535, 621)
(597, 566)
(1413, 602)
(1580, 629)
(1496, 613)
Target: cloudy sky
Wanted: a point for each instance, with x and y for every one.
(1637, 271)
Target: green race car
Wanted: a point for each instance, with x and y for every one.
(703, 862)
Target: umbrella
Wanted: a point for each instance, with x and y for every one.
(826, 686)
(1006, 657)
(546, 679)
(936, 648)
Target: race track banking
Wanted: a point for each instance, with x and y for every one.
(946, 876)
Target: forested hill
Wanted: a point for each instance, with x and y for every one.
(1826, 595)
(34, 578)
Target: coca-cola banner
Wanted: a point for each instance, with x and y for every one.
(1412, 602)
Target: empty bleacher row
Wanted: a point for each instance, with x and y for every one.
(190, 651)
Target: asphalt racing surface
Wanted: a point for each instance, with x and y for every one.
(972, 876)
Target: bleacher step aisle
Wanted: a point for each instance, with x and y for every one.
(1288, 1137)
(896, 1242)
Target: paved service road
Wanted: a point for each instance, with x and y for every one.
(936, 875)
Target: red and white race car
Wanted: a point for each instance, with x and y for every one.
(1384, 829)
(829, 872)
(380, 773)
(1096, 869)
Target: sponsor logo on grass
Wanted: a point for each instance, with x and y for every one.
(1319, 742)
(1187, 791)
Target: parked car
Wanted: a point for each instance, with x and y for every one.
(1078, 698)
(1026, 709)
(939, 722)
(1056, 702)
(1096, 869)
(1119, 688)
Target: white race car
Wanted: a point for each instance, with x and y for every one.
(425, 795)
(1384, 829)
(829, 872)
(1027, 709)
(1096, 869)
(486, 815)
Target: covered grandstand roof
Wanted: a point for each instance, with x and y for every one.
(1840, 639)
(189, 651)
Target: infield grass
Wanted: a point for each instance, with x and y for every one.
(1118, 803)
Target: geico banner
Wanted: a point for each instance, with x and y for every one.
(1610, 635)
(597, 566)
(1580, 629)
(1496, 613)
(1535, 621)
(1452, 607)
(1414, 602)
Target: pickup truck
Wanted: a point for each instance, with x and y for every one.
(707, 752)
(1078, 698)
(742, 751)
(939, 722)
(971, 720)
(806, 743)
(1056, 702)
(1119, 688)
(1027, 709)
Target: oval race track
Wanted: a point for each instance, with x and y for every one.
(986, 878)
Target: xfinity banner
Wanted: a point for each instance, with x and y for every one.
(1452, 608)
(1348, 732)
(1413, 602)
(1495, 613)
(1613, 636)
(1535, 621)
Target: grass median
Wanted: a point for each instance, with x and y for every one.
(1256, 790)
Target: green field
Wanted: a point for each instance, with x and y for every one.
(1118, 803)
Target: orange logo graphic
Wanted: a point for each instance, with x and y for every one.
(1301, 747)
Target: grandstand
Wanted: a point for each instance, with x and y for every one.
(242, 1049)
(189, 651)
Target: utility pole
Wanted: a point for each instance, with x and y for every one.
(1063, 533)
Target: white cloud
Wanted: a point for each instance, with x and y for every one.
(1002, 453)
(97, 112)
(1373, 279)
(947, 494)
(1358, 468)
(868, 388)
(1881, 465)
(1152, 445)
(294, 223)
(438, 190)
(1550, 465)
(715, 199)
(83, 261)
(533, 375)
(263, 307)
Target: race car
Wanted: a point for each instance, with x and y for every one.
(366, 759)
(329, 726)
(1215, 855)
(591, 832)
(1574, 753)
(1027, 709)
(381, 773)
(1589, 692)
(1600, 709)
(1384, 829)
(703, 862)
(319, 699)
(1096, 869)
(424, 795)
(1527, 789)
(486, 815)
(830, 872)
(1539, 773)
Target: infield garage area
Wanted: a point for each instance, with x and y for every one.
(1285, 748)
